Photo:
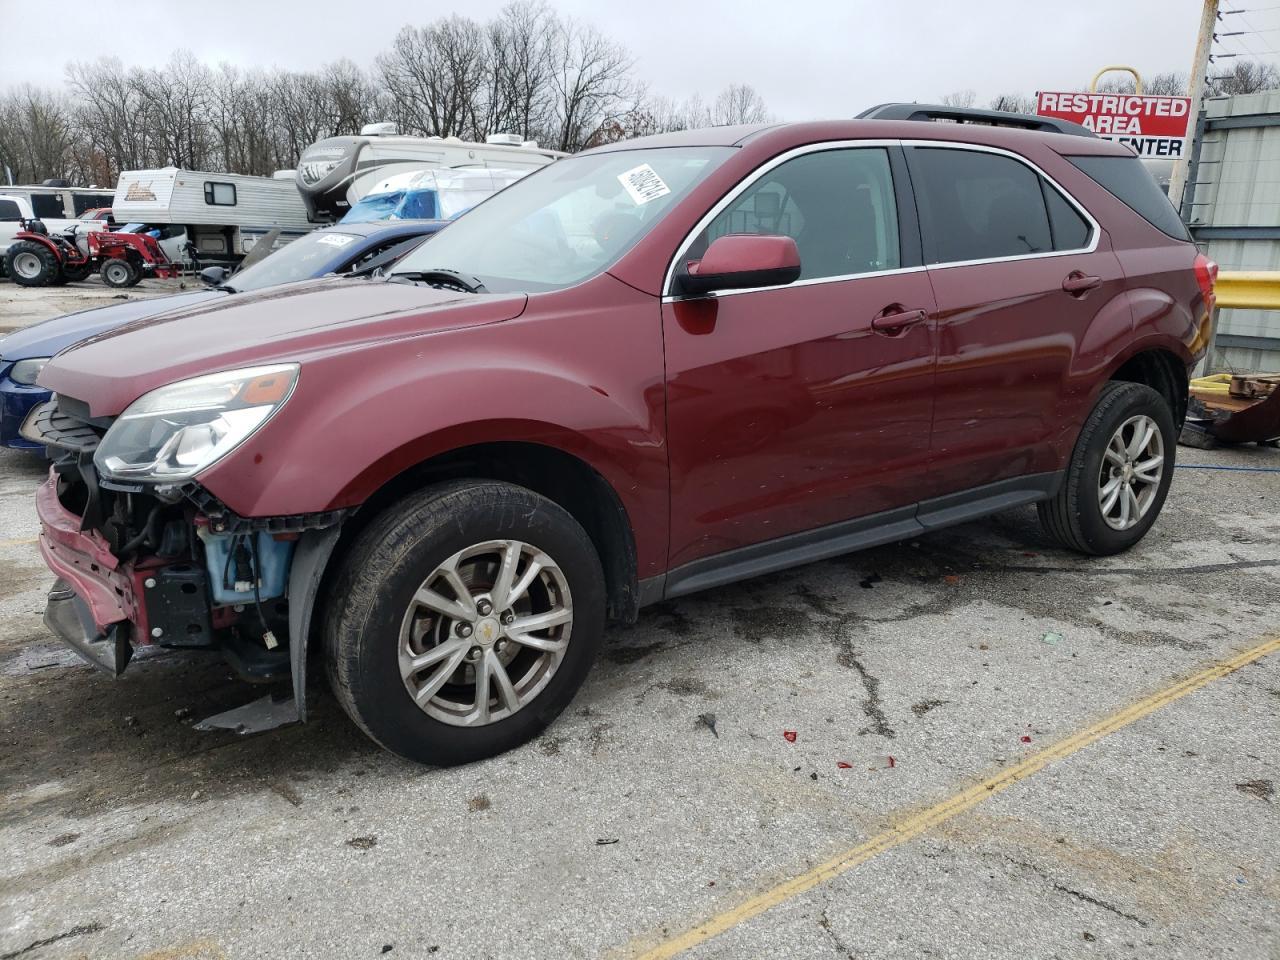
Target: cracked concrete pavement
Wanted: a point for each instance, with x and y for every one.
(129, 834)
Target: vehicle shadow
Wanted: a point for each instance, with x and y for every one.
(109, 744)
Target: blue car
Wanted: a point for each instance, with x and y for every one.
(349, 248)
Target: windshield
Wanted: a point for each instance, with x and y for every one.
(567, 222)
(302, 259)
(397, 205)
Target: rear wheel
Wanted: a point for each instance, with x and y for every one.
(469, 616)
(1119, 474)
(32, 264)
(119, 273)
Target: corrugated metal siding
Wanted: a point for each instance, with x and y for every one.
(1238, 185)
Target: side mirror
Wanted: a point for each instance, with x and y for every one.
(742, 260)
(214, 276)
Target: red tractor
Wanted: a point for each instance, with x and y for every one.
(38, 259)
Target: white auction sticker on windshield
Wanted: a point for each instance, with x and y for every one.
(643, 183)
(336, 239)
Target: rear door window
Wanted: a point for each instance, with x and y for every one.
(838, 206)
(10, 211)
(1130, 182)
(978, 206)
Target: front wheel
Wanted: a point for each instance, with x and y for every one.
(1119, 474)
(468, 616)
(119, 273)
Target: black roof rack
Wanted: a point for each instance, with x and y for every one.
(994, 118)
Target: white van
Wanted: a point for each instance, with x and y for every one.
(334, 174)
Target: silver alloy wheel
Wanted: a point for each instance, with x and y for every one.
(1132, 468)
(117, 274)
(485, 633)
(27, 265)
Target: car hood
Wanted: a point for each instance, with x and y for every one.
(292, 322)
(47, 338)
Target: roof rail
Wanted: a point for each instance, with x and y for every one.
(994, 118)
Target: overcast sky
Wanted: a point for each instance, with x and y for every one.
(808, 58)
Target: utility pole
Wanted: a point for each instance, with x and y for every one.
(1199, 71)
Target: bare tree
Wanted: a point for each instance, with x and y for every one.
(1013, 103)
(1245, 76)
(959, 98)
(36, 137)
(739, 103)
(590, 77)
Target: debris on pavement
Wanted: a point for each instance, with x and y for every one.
(951, 578)
(1052, 638)
(709, 721)
(1024, 738)
(869, 581)
(789, 736)
(363, 843)
(479, 802)
(606, 841)
(841, 765)
(1262, 789)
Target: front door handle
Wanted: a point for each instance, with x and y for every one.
(894, 319)
(1078, 284)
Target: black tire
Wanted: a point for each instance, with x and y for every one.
(118, 273)
(37, 266)
(1074, 515)
(386, 565)
(77, 272)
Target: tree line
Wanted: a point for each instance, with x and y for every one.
(528, 71)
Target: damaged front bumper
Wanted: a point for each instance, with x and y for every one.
(91, 606)
(103, 605)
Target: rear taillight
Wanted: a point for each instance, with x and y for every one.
(1206, 276)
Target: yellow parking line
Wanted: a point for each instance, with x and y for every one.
(19, 543)
(915, 824)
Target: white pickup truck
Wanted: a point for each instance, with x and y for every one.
(14, 209)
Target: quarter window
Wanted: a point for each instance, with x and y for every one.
(1070, 230)
(220, 194)
(978, 206)
(838, 206)
(9, 211)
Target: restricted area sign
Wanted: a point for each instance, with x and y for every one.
(1152, 126)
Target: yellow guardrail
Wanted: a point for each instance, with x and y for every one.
(1249, 289)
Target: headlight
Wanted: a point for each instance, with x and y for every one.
(26, 371)
(173, 433)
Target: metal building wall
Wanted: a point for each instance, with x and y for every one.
(1233, 207)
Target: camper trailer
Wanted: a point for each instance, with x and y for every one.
(335, 174)
(211, 217)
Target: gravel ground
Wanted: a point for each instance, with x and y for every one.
(129, 834)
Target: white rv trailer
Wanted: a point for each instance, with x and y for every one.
(211, 217)
(335, 174)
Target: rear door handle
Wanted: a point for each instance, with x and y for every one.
(895, 318)
(1078, 284)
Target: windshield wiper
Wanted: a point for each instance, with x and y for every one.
(442, 277)
(226, 287)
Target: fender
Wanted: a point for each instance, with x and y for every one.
(582, 382)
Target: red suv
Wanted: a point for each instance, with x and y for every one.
(655, 367)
